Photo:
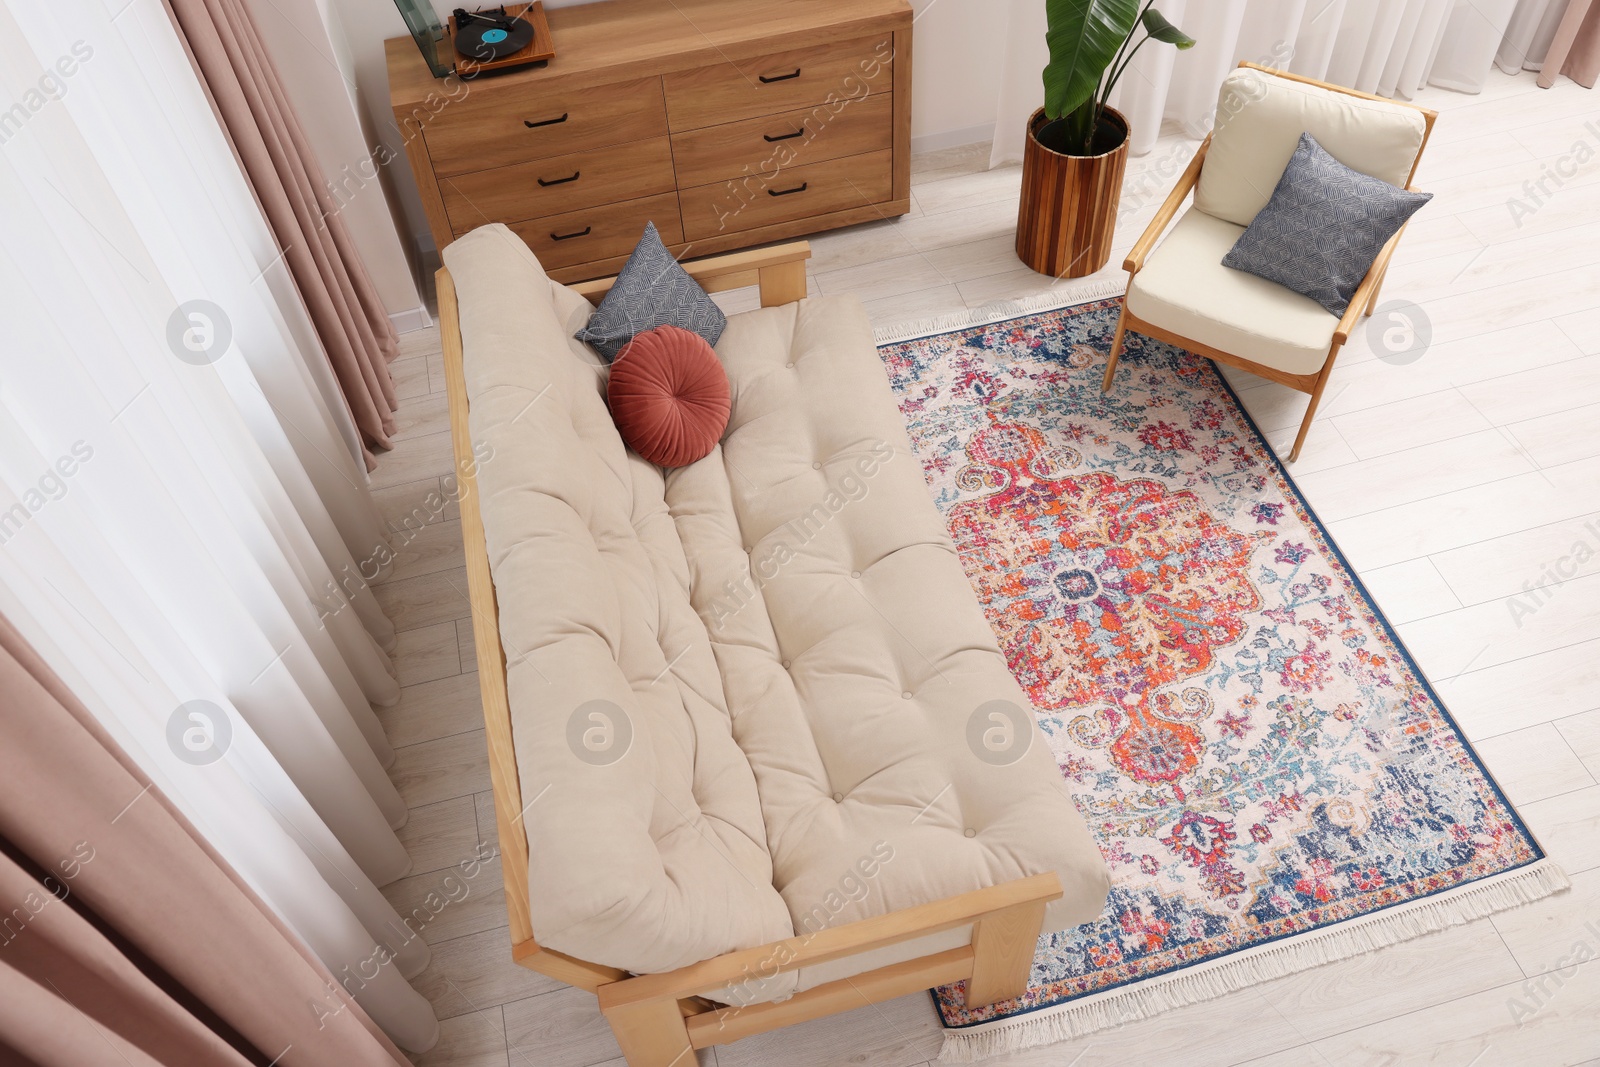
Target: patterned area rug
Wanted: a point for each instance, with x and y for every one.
(1273, 783)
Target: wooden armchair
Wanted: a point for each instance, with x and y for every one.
(1233, 317)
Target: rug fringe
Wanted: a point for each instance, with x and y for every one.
(1001, 310)
(1207, 981)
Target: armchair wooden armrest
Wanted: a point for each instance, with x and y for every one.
(779, 270)
(1186, 182)
(1367, 292)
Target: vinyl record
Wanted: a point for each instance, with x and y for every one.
(483, 39)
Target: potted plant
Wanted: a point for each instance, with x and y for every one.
(1077, 146)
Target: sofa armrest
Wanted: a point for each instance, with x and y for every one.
(1186, 182)
(779, 270)
(865, 935)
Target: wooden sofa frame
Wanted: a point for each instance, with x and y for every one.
(1365, 299)
(659, 1019)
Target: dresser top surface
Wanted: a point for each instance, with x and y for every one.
(618, 39)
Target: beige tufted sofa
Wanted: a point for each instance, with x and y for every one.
(756, 755)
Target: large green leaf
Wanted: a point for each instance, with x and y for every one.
(1157, 26)
(1084, 36)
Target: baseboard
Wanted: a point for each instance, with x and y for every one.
(933, 142)
(411, 321)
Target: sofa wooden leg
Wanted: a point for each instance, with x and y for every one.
(1116, 348)
(652, 1033)
(1002, 954)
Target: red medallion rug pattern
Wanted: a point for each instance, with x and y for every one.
(1272, 782)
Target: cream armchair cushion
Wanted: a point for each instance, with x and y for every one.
(1259, 122)
(1185, 288)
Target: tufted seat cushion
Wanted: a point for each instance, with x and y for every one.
(853, 651)
(1185, 288)
(783, 628)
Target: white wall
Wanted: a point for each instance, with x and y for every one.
(309, 46)
(958, 47)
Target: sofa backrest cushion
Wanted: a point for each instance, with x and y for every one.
(646, 846)
(1259, 120)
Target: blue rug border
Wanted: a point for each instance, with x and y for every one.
(1355, 577)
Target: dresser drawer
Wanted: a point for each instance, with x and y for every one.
(794, 138)
(600, 232)
(783, 81)
(795, 193)
(560, 184)
(498, 126)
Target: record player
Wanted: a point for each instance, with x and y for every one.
(479, 42)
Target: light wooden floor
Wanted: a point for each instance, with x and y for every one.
(1452, 482)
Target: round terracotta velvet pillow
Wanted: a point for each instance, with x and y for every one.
(669, 396)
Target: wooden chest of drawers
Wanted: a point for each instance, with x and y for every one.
(727, 123)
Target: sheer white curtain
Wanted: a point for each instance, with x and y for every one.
(183, 513)
(1528, 35)
(1389, 47)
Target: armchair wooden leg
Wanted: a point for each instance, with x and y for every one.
(1116, 347)
(1002, 948)
(652, 1034)
(1316, 398)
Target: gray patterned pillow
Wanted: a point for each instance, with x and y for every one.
(1323, 227)
(652, 290)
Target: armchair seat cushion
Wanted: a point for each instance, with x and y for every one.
(1185, 289)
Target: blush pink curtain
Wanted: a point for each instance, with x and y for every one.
(124, 940)
(317, 250)
(1575, 50)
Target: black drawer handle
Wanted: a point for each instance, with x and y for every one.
(801, 132)
(780, 78)
(569, 236)
(785, 192)
(546, 122)
(560, 181)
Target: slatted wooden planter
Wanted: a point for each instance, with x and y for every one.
(1068, 215)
